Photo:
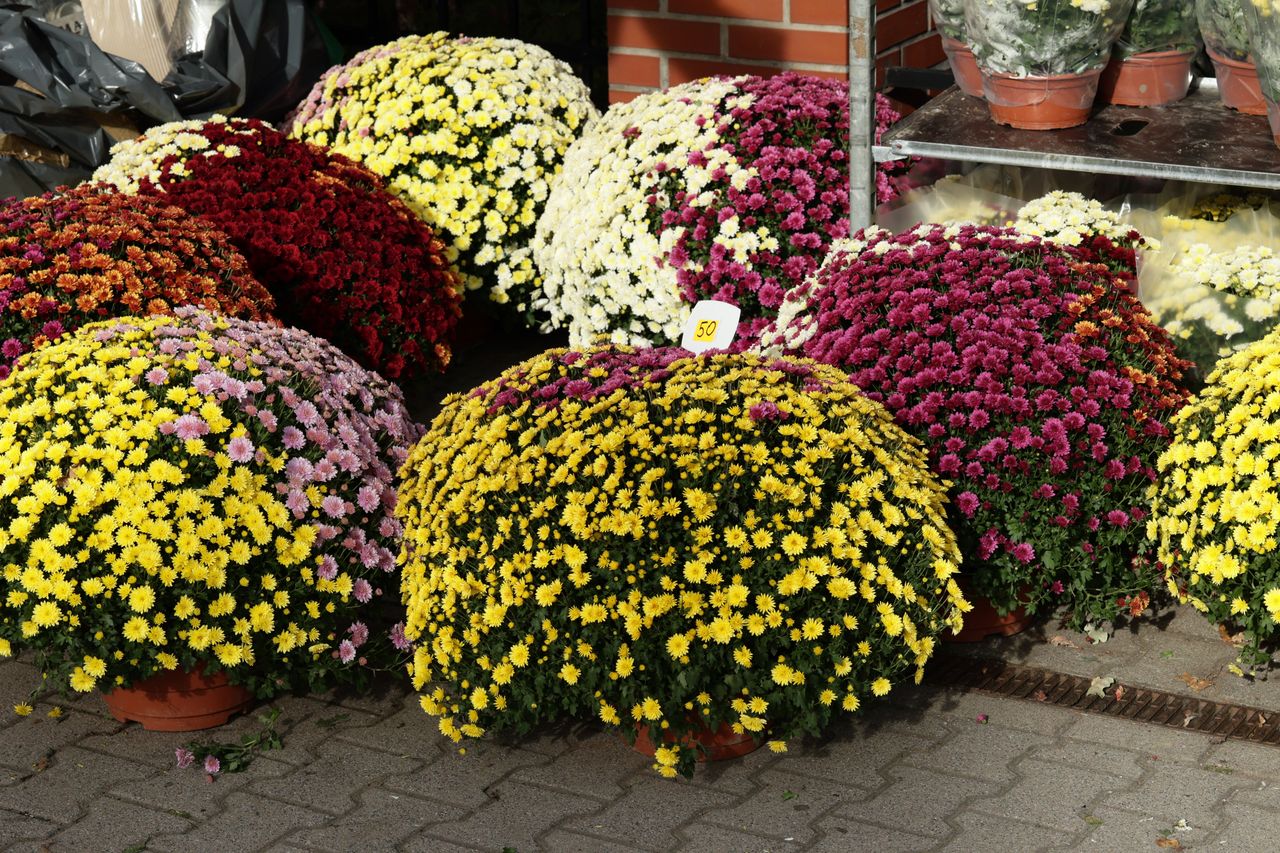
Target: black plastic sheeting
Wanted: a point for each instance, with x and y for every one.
(260, 59)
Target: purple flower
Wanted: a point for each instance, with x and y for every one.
(293, 438)
(967, 502)
(328, 569)
(240, 449)
(398, 639)
(362, 590)
(1118, 517)
(185, 757)
(1023, 552)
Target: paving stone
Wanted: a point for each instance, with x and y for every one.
(1050, 795)
(919, 800)
(1091, 756)
(784, 806)
(463, 779)
(1002, 713)
(1113, 829)
(246, 822)
(35, 737)
(977, 831)
(1170, 793)
(20, 827)
(594, 768)
(705, 838)
(515, 817)
(1168, 744)
(1253, 760)
(651, 811)
(324, 784)
(125, 824)
(73, 779)
(562, 841)
(1247, 827)
(735, 777)
(427, 843)
(188, 793)
(380, 821)
(982, 751)
(858, 759)
(1264, 794)
(842, 835)
(403, 733)
(154, 749)
(306, 723)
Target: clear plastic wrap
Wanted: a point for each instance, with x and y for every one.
(1263, 20)
(948, 17)
(1224, 30)
(152, 32)
(1157, 26)
(1044, 38)
(951, 201)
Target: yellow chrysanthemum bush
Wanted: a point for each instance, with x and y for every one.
(668, 542)
(192, 491)
(468, 131)
(1216, 502)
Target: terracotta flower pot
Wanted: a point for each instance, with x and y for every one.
(1041, 103)
(1238, 85)
(983, 621)
(963, 66)
(718, 745)
(178, 701)
(1146, 79)
(1273, 118)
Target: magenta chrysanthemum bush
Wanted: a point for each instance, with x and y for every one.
(1040, 385)
(724, 188)
(209, 491)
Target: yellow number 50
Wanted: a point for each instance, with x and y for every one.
(705, 330)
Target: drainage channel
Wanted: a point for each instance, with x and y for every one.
(1218, 719)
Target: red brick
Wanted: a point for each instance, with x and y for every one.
(644, 5)
(900, 25)
(628, 69)
(681, 69)
(618, 96)
(886, 5)
(924, 53)
(789, 45)
(833, 13)
(883, 61)
(664, 34)
(750, 10)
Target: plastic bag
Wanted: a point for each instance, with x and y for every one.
(1223, 27)
(1263, 20)
(951, 201)
(1156, 26)
(153, 32)
(1045, 38)
(948, 17)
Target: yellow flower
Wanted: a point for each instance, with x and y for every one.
(880, 687)
(570, 673)
(136, 629)
(22, 709)
(46, 614)
(677, 645)
(777, 746)
(142, 599)
(81, 681)
(742, 655)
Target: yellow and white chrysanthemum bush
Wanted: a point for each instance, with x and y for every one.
(199, 491)
(665, 542)
(1072, 219)
(1216, 503)
(469, 131)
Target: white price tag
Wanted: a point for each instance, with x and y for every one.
(711, 326)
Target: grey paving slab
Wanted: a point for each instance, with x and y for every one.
(1245, 827)
(978, 831)
(325, 784)
(1170, 793)
(596, 768)
(858, 759)
(425, 842)
(36, 737)
(1126, 763)
(784, 806)
(405, 732)
(1114, 829)
(73, 779)
(1249, 760)
(841, 835)
(380, 821)
(1049, 795)
(1157, 742)
(563, 841)
(245, 822)
(985, 751)
(463, 780)
(962, 711)
(920, 800)
(118, 824)
(15, 826)
(650, 812)
(516, 816)
(188, 793)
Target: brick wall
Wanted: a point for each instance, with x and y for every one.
(658, 43)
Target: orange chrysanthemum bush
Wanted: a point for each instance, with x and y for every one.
(72, 258)
(672, 545)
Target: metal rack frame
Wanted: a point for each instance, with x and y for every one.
(1196, 139)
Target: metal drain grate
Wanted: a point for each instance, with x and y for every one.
(1219, 719)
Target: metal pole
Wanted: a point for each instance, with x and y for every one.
(862, 112)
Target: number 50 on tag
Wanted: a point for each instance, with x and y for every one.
(711, 325)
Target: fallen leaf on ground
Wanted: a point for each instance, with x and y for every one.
(1169, 843)
(1040, 696)
(1187, 717)
(1229, 638)
(1196, 684)
(1059, 640)
(1119, 694)
(1097, 633)
(1098, 685)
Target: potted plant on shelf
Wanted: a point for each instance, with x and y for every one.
(1226, 40)
(1037, 381)
(1041, 61)
(704, 551)
(948, 16)
(1151, 63)
(1264, 38)
(197, 507)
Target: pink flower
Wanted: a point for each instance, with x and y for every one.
(185, 757)
(334, 506)
(967, 502)
(362, 590)
(212, 765)
(1023, 552)
(190, 426)
(346, 651)
(240, 449)
(398, 639)
(157, 376)
(368, 499)
(1118, 517)
(359, 633)
(328, 569)
(293, 438)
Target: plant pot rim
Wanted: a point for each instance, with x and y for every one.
(1238, 63)
(1004, 75)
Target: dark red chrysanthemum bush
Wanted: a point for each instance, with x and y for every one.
(345, 259)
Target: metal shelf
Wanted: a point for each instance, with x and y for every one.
(1196, 139)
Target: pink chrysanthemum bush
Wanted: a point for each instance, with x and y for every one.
(669, 543)
(723, 188)
(199, 491)
(1040, 385)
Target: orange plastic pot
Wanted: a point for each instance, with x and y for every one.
(963, 66)
(719, 745)
(1273, 118)
(1041, 103)
(984, 621)
(178, 701)
(1146, 79)
(1238, 85)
